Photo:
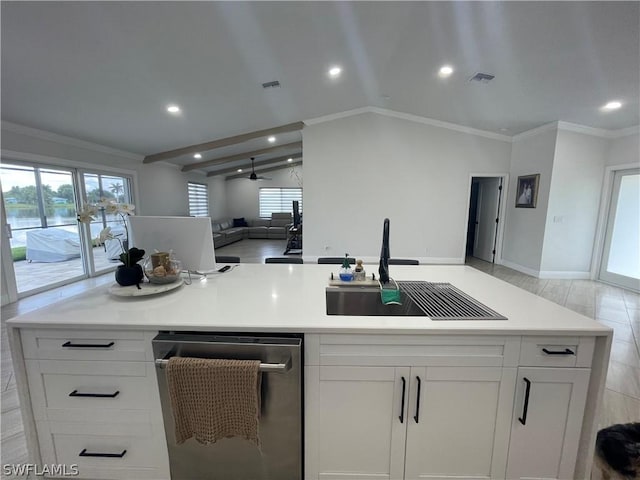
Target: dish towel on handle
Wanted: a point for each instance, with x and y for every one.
(213, 399)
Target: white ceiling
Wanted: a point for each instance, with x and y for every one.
(105, 71)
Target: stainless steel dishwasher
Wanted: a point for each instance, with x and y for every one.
(280, 428)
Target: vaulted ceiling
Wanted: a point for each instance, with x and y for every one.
(106, 71)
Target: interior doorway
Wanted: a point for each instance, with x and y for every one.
(484, 219)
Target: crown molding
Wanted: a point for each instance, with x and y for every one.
(626, 132)
(64, 140)
(535, 131)
(412, 118)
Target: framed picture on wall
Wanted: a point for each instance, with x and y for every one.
(527, 191)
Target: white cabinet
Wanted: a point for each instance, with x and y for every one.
(95, 402)
(459, 421)
(547, 422)
(382, 420)
(443, 407)
(359, 432)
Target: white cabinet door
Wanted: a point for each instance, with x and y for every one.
(357, 429)
(459, 421)
(547, 422)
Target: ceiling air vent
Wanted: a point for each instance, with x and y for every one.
(274, 84)
(482, 77)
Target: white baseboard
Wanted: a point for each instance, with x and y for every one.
(548, 274)
(565, 275)
(520, 268)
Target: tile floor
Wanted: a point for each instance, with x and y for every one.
(615, 307)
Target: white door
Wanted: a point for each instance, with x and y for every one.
(488, 200)
(547, 422)
(359, 430)
(459, 422)
(621, 256)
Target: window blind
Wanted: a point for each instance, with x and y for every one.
(198, 199)
(276, 200)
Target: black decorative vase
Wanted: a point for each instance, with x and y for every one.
(126, 276)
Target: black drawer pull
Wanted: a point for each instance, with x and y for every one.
(566, 351)
(84, 453)
(523, 419)
(404, 385)
(75, 393)
(88, 345)
(417, 415)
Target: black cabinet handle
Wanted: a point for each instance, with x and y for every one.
(566, 351)
(88, 345)
(523, 419)
(417, 415)
(404, 387)
(75, 393)
(84, 453)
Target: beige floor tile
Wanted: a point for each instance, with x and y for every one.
(631, 299)
(11, 423)
(14, 451)
(7, 378)
(609, 302)
(625, 352)
(9, 400)
(618, 408)
(623, 379)
(555, 293)
(634, 314)
(620, 331)
(613, 315)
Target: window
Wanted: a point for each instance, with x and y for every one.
(198, 199)
(275, 200)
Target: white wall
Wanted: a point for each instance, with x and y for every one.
(572, 213)
(624, 150)
(531, 153)
(242, 194)
(363, 168)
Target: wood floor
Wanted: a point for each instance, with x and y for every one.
(615, 307)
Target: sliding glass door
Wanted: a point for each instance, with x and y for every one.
(48, 246)
(40, 206)
(621, 255)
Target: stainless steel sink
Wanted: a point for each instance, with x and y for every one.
(365, 301)
(438, 301)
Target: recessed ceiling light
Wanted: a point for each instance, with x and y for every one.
(173, 109)
(612, 106)
(239, 170)
(289, 159)
(198, 156)
(445, 71)
(335, 72)
(271, 139)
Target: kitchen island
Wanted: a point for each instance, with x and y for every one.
(385, 397)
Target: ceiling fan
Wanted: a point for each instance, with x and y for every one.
(253, 175)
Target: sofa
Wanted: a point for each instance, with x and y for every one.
(229, 230)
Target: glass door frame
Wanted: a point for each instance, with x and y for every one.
(82, 191)
(40, 161)
(612, 179)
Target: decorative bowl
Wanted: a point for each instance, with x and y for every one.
(168, 272)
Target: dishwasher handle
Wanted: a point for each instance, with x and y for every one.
(264, 367)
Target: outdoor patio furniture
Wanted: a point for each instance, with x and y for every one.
(52, 245)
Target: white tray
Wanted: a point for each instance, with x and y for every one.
(145, 289)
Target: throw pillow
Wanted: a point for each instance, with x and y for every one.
(240, 222)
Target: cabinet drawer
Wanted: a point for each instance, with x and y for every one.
(91, 391)
(421, 350)
(102, 451)
(87, 344)
(557, 351)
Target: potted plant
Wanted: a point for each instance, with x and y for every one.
(130, 272)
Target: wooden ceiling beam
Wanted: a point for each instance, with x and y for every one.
(264, 170)
(224, 171)
(241, 156)
(223, 142)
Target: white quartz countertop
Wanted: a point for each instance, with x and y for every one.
(291, 298)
